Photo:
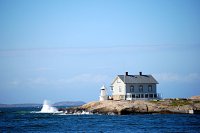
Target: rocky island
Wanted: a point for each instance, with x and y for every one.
(133, 94)
(124, 107)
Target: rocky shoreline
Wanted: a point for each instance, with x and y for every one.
(165, 106)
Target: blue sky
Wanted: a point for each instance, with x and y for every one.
(67, 49)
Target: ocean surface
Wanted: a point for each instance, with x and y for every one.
(28, 120)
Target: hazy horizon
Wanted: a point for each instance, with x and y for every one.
(66, 50)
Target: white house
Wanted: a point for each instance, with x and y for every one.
(130, 87)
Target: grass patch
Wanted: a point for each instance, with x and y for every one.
(156, 101)
(180, 102)
(196, 101)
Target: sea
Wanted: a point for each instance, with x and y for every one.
(29, 120)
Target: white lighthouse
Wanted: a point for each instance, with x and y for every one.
(103, 96)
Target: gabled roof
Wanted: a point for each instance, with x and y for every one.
(138, 79)
(103, 87)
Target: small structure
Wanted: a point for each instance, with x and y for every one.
(191, 111)
(132, 87)
(194, 111)
(103, 95)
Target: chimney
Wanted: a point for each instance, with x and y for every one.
(140, 73)
(126, 73)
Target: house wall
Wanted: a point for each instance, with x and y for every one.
(119, 90)
(136, 88)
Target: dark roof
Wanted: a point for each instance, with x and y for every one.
(148, 79)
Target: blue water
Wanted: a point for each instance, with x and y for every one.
(24, 120)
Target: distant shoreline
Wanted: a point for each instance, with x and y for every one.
(57, 104)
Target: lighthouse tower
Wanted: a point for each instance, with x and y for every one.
(103, 96)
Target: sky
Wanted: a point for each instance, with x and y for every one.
(65, 50)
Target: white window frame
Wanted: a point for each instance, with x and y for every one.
(140, 88)
(150, 88)
(120, 89)
(131, 88)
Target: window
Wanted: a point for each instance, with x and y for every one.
(111, 87)
(150, 95)
(140, 88)
(122, 97)
(128, 96)
(150, 88)
(131, 88)
(120, 89)
(137, 95)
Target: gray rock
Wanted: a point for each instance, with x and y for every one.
(138, 106)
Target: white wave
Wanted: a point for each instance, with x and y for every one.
(82, 113)
(77, 113)
(47, 108)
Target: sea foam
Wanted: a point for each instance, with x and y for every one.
(48, 108)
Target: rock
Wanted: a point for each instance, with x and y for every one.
(195, 97)
(138, 106)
